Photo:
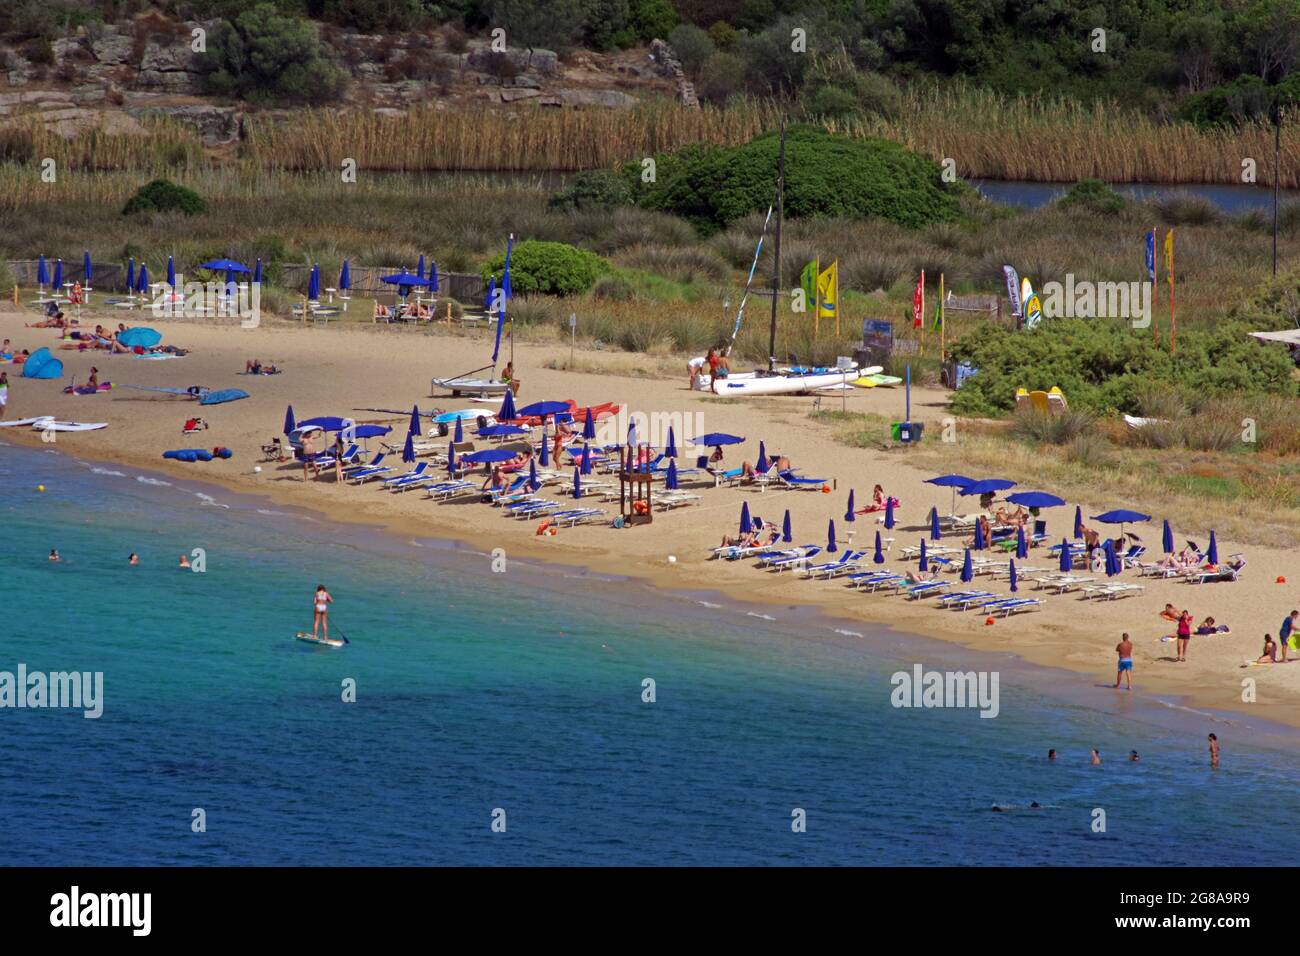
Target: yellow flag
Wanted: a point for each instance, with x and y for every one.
(828, 290)
(1169, 255)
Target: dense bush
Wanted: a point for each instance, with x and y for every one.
(1106, 366)
(826, 175)
(264, 55)
(1093, 195)
(595, 189)
(551, 268)
(1244, 99)
(163, 195)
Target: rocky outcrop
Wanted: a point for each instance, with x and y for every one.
(602, 98)
(216, 125)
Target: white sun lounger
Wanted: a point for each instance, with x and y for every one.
(1112, 591)
(1061, 583)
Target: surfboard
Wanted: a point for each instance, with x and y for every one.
(332, 642)
(50, 425)
(27, 421)
(869, 381)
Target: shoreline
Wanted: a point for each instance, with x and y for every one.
(1057, 637)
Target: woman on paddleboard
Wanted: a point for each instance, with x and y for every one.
(321, 604)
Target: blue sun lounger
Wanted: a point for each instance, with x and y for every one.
(847, 561)
(365, 474)
(446, 490)
(794, 561)
(863, 578)
(875, 583)
(412, 475)
(964, 599)
(791, 480)
(373, 463)
(1014, 606)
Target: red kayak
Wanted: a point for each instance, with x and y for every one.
(598, 412)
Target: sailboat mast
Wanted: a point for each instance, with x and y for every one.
(776, 251)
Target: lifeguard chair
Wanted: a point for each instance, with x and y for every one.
(634, 489)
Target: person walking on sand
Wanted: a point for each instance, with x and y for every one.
(321, 604)
(1284, 632)
(1125, 651)
(1214, 751)
(1184, 634)
(4, 391)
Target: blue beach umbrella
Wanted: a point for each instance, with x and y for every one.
(879, 556)
(924, 563)
(345, 277)
(533, 483)
(329, 423)
(42, 272)
(715, 439)
(140, 336)
(670, 480)
(762, 465)
(1167, 538)
(1067, 561)
(980, 543)
(433, 276)
(849, 515)
(451, 460)
(507, 407)
(577, 483)
(951, 481)
(130, 274)
(541, 409)
(546, 450)
(987, 486)
(967, 571)
(370, 431)
(1035, 499)
(488, 456)
(501, 431)
(313, 283)
(786, 536)
(1121, 517)
(142, 280)
(414, 425)
(934, 525)
(288, 420)
(1212, 552)
(586, 460)
(830, 537)
(171, 272)
(589, 428)
(1112, 562)
(746, 525)
(1015, 581)
(459, 436)
(889, 513)
(670, 449)
(1022, 547)
(58, 274)
(257, 271)
(86, 269)
(408, 450)
(419, 268)
(1078, 522)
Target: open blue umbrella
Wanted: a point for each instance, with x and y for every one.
(533, 483)
(746, 525)
(488, 456)
(414, 425)
(1067, 560)
(879, 556)
(58, 274)
(433, 276)
(589, 428)
(404, 281)
(889, 513)
(987, 486)
(967, 571)
(140, 337)
(924, 564)
(86, 269)
(715, 439)
(459, 435)
(142, 281)
(1167, 538)
(1212, 552)
(577, 483)
(289, 424)
(849, 515)
(830, 537)
(1078, 522)
(1022, 547)
(225, 265)
(171, 272)
(371, 431)
(786, 536)
(586, 460)
(934, 525)
(507, 407)
(541, 409)
(670, 449)
(130, 274)
(345, 277)
(501, 431)
(257, 271)
(42, 272)
(1121, 517)
(329, 423)
(980, 543)
(1011, 574)
(408, 450)
(670, 479)
(951, 481)
(1035, 499)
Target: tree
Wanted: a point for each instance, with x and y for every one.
(552, 25)
(692, 46)
(264, 55)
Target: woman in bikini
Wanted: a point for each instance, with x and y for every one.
(321, 603)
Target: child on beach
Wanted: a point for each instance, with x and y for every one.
(321, 604)
(4, 392)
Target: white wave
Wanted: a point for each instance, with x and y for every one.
(145, 480)
(708, 604)
(764, 617)
(209, 500)
(268, 511)
(108, 471)
(847, 633)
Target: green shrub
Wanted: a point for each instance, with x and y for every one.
(826, 175)
(692, 45)
(1093, 195)
(265, 55)
(372, 16)
(163, 195)
(1186, 209)
(721, 78)
(653, 19)
(723, 35)
(614, 287)
(551, 268)
(593, 189)
(1245, 99)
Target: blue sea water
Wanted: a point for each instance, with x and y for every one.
(523, 691)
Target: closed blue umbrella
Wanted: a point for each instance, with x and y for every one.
(1067, 562)
(507, 289)
(670, 449)
(830, 537)
(42, 271)
(171, 272)
(533, 483)
(879, 556)
(546, 449)
(130, 274)
(1111, 561)
(670, 480)
(586, 459)
(786, 536)
(934, 524)
(86, 269)
(1078, 522)
(58, 274)
(459, 436)
(419, 268)
(408, 450)
(507, 407)
(1212, 553)
(1022, 547)
(414, 425)
(433, 276)
(1015, 581)
(967, 571)
(849, 515)
(589, 428)
(289, 424)
(980, 543)
(746, 525)
(1167, 539)
(257, 271)
(762, 465)
(313, 283)
(889, 513)
(924, 563)
(451, 460)
(345, 277)
(142, 280)
(577, 483)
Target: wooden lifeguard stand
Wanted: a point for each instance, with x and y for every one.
(634, 485)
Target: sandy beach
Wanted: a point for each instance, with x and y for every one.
(338, 370)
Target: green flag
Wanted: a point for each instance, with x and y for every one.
(808, 280)
(938, 317)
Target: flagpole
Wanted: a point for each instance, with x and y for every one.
(943, 323)
(817, 300)
(1173, 320)
(838, 304)
(922, 311)
(1155, 289)
(776, 268)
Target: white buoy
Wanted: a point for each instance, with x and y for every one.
(257, 469)
(672, 559)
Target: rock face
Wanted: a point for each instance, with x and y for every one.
(216, 125)
(545, 62)
(604, 98)
(168, 66)
(112, 49)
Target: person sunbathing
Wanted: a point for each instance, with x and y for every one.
(920, 577)
(1170, 613)
(775, 463)
(982, 522)
(56, 321)
(382, 311)
(747, 540)
(1208, 626)
(1270, 651)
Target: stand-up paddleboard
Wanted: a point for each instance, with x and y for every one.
(50, 425)
(873, 380)
(27, 421)
(332, 642)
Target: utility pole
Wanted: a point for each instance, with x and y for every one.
(1277, 172)
(776, 252)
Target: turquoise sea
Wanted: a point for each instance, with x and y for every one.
(522, 691)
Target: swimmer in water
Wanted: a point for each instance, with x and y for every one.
(1096, 757)
(133, 560)
(1214, 750)
(1133, 756)
(185, 561)
(54, 554)
(1051, 754)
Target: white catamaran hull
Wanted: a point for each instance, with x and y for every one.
(783, 384)
(482, 387)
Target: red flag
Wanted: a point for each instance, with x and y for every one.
(918, 298)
